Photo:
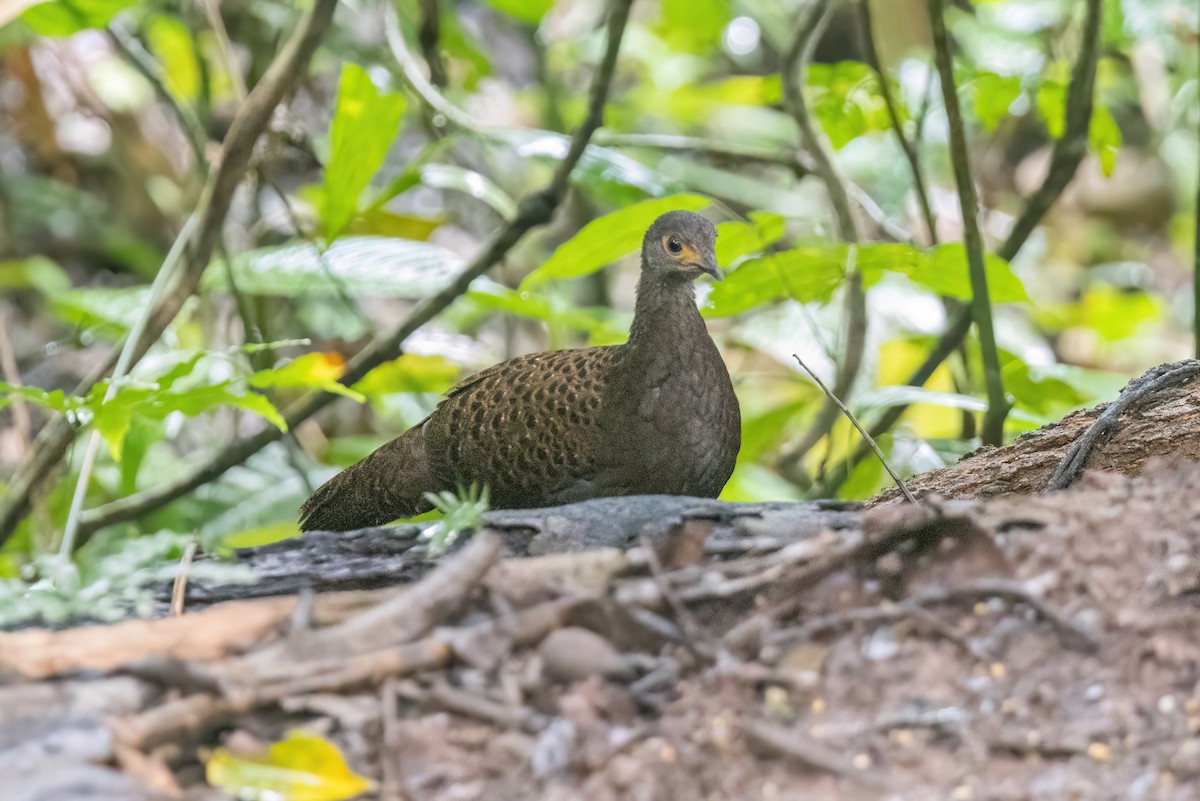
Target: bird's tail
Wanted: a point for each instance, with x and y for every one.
(389, 484)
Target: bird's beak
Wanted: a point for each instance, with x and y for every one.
(709, 265)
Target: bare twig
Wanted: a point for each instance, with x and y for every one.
(854, 421)
(179, 586)
(212, 12)
(1102, 430)
(698, 641)
(981, 306)
(535, 209)
(808, 31)
(792, 744)
(251, 120)
(144, 63)
(414, 76)
(428, 35)
(8, 368)
(1012, 592)
(910, 151)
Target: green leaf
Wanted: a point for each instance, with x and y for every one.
(57, 400)
(35, 272)
(946, 273)
(448, 176)
(101, 306)
(529, 11)
(694, 25)
(411, 372)
(607, 239)
(873, 260)
(991, 97)
(69, 17)
(113, 418)
(362, 265)
(805, 275)
(598, 322)
(846, 99)
(365, 123)
(1052, 105)
(1104, 138)
(310, 371)
(171, 42)
(736, 239)
(304, 767)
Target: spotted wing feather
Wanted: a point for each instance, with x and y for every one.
(528, 428)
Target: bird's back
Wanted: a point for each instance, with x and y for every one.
(529, 428)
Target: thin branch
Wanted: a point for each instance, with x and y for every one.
(533, 210)
(251, 120)
(212, 12)
(133, 51)
(808, 31)
(1196, 265)
(981, 306)
(414, 76)
(1070, 149)
(910, 151)
(428, 35)
(854, 421)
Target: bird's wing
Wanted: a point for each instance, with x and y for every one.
(528, 427)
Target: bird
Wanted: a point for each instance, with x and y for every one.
(655, 415)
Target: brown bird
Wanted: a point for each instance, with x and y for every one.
(656, 415)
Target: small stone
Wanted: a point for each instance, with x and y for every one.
(1185, 762)
(1099, 752)
(1167, 704)
(862, 761)
(571, 654)
(963, 792)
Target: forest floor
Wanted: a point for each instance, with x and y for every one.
(991, 642)
(1029, 646)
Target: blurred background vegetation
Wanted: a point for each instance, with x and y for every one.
(413, 135)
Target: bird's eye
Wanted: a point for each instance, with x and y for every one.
(674, 245)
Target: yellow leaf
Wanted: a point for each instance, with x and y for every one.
(304, 767)
(310, 371)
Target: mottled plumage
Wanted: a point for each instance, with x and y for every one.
(655, 415)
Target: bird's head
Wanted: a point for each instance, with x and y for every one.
(680, 244)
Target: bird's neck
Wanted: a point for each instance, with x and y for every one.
(665, 316)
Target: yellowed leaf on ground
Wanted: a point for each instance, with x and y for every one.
(304, 767)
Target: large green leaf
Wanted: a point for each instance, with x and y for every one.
(365, 122)
(736, 239)
(609, 238)
(361, 265)
(101, 306)
(36, 272)
(694, 25)
(991, 96)
(847, 101)
(69, 17)
(805, 274)
(946, 273)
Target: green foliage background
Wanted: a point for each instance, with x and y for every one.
(365, 200)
